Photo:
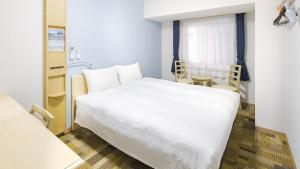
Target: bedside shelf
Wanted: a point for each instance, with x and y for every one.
(55, 95)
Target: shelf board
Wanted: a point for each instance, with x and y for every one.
(57, 75)
(54, 95)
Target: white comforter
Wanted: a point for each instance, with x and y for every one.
(164, 124)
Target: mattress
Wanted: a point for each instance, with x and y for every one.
(164, 124)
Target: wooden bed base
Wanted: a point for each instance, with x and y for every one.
(79, 88)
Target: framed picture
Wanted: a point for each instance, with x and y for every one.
(56, 40)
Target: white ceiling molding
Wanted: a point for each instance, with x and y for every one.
(154, 11)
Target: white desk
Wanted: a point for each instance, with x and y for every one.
(26, 144)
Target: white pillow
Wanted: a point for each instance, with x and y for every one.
(101, 79)
(129, 73)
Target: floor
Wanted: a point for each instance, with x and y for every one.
(248, 148)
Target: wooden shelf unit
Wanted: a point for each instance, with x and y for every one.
(55, 65)
(55, 95)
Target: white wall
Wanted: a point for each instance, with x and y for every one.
(21, 50)
(249, 87)
(292, 89)
(182, 9)
(167, 50)
(269, 66)
(277, 75)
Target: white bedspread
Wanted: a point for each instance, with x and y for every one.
(164, 124)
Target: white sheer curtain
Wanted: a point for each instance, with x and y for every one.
(209, 45)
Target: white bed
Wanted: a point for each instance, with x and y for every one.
(164, 124)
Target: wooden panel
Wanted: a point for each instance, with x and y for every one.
(55, 67)
(79, 88)
(57, 103)
(56, 64)
(57, 107)
(56, 85)
(56, 12)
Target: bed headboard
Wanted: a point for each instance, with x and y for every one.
(79, 88)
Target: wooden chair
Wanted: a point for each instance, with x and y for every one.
(181, 74)
(234, 79)
(42, 114)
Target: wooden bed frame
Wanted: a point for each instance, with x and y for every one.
(79, 88)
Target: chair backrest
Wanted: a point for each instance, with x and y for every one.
(180, 70)
(42, 114)
(235, 76)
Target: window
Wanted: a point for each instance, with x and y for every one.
(209, 45)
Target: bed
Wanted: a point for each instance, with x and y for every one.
(163, 124)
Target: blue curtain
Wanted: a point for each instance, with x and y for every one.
(176, 39)
(240, 25)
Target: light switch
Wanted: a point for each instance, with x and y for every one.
(78, 55)
(72, 53)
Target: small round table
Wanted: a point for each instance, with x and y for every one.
(202, 80)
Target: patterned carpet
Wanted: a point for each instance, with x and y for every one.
(248, 148)
(255, 148)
